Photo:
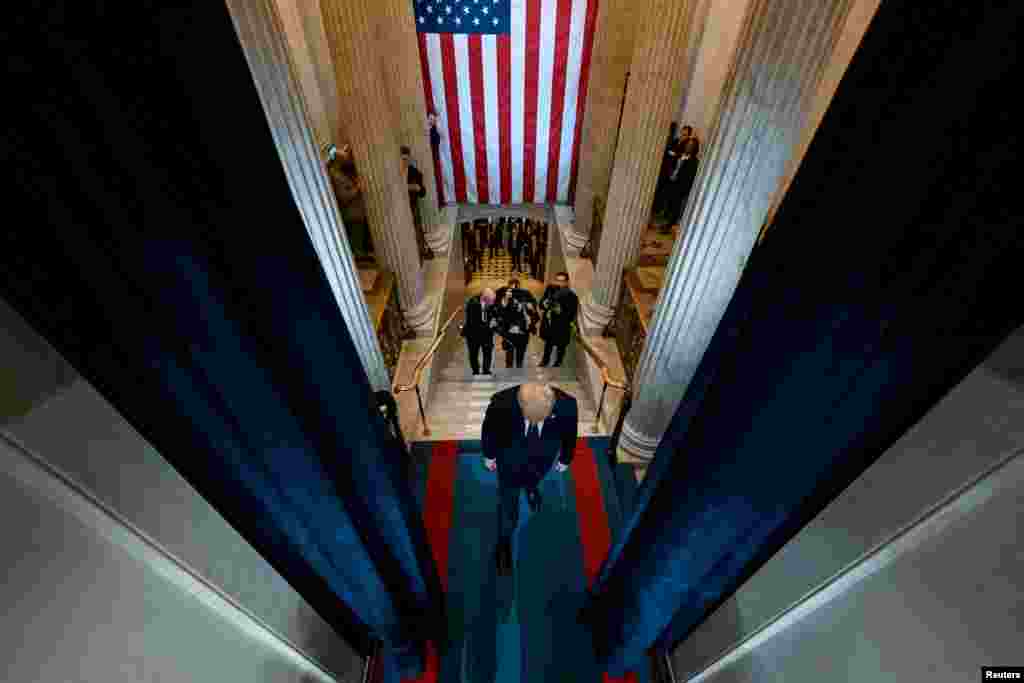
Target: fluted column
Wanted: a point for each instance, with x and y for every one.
(407, 96)
(617, 22)
(350, 27)
(262, 37)
(652, 98)
(783, 50)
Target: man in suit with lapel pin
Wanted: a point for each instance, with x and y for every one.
(527, 430)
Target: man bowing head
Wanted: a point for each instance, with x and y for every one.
(527, 430)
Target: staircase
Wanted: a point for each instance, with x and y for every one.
(458, 399)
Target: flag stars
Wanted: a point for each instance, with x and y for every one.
(494, 21)
(422, 20)
(458, 21)
(485, 10)
(430, 10)
(465, 10)
(447, 9)
(476, 21)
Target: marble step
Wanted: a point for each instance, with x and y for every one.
(507, 375)
(457, 408)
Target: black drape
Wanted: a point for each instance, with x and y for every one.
(152, 238)
(890, 271)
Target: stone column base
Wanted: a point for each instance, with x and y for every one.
(575, 240)
(420, 318)
(438, 238)
(636, 445)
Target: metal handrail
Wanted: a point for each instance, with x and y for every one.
(622, 385)
(418, 371)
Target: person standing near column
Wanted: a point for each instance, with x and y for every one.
(417, 191)
(559, 307)
(681, 180)
(527, 430)
(481, 320)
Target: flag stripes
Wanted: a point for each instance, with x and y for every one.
(509, 104)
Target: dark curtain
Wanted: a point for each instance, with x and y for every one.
(157, 246)
(891, 270)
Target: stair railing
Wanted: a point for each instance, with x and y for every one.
(398, 389)
(607, 380)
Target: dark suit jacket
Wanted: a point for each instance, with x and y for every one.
(680, 187)
(516, 239)
(415, 176)
(559, 308)
(476, 327)
(468, 239)
(497, 235)
(503, 438)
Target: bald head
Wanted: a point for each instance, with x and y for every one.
(487, 295)
(536, 401)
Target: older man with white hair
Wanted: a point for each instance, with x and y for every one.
(482, 319)
(527, 430)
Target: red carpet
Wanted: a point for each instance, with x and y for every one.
(593, 521)
(442, 472)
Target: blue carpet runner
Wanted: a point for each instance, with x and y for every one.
(523, 627)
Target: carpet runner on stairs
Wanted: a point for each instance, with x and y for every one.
(523, 627)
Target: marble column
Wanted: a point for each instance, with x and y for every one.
(652, 98)
(260, 31)
(364, 106)
(783, 50)
(617, 22)
(405, 76)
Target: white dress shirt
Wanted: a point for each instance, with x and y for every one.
(526, 429)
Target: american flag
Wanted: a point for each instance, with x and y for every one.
(508, 82)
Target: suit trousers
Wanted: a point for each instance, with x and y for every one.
(548, 347)
(508, 512)
(515, 352)
(474, 348)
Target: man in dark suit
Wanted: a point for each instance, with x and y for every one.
(482, 317)
(558, 308)
(469, 250)
(539, 242)
(497, 237)
(527, 430)
(417, 191)
(681, 181)
(515, 245)
(527, 246)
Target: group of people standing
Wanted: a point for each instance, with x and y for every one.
(678, 171)
(349, 188)
(514, 314)
(524, 240)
